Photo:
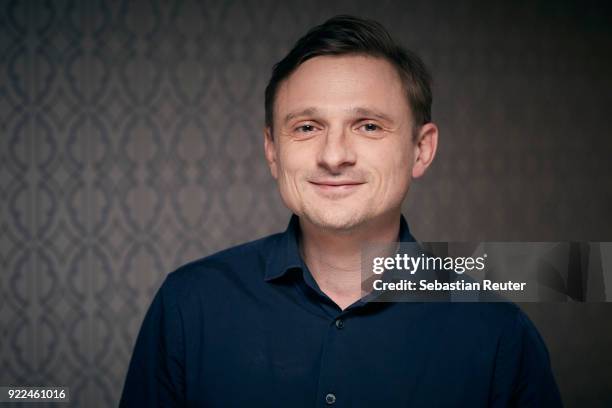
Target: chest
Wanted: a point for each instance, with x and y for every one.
(294, 356)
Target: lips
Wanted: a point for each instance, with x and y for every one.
(336, 183)
(336, 188)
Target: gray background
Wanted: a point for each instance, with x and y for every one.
(131, 143)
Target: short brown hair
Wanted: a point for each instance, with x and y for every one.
(345, 34)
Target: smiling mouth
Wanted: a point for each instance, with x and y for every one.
(336, 183)
(336, 186)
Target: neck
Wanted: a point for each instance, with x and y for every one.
(334, 258)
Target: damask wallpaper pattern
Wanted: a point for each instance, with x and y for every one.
(131, 143)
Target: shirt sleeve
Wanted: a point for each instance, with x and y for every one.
(523, 376)
(155, 376)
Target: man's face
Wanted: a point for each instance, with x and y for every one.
(342, 149)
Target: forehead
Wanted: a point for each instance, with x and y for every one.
(334, 83)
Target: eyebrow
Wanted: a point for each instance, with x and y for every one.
(304, 112)
(360, 111)
(371, 113)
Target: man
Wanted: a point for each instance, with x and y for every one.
(281, 321)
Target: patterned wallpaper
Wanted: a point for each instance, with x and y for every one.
(131, 143)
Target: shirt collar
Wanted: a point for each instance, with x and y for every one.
(285, 253)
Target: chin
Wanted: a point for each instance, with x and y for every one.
(343, 220)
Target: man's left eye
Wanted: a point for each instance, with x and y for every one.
(370, 127)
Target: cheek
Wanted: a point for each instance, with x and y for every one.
(393, 176)
(403, 172)
(289, 172)
(393, 168)
(403, 163)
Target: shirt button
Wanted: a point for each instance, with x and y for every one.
(339, 323)
(330, 398)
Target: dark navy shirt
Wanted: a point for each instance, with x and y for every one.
(249, 327)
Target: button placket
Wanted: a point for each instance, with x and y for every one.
(331, 380)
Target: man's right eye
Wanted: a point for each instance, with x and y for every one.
(305, 128)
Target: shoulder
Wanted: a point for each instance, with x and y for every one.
(244, 261)
(510, 325)
(501, 327)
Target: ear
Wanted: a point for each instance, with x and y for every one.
(424, 149)
(270, 150)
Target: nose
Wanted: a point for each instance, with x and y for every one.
(336, 151)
